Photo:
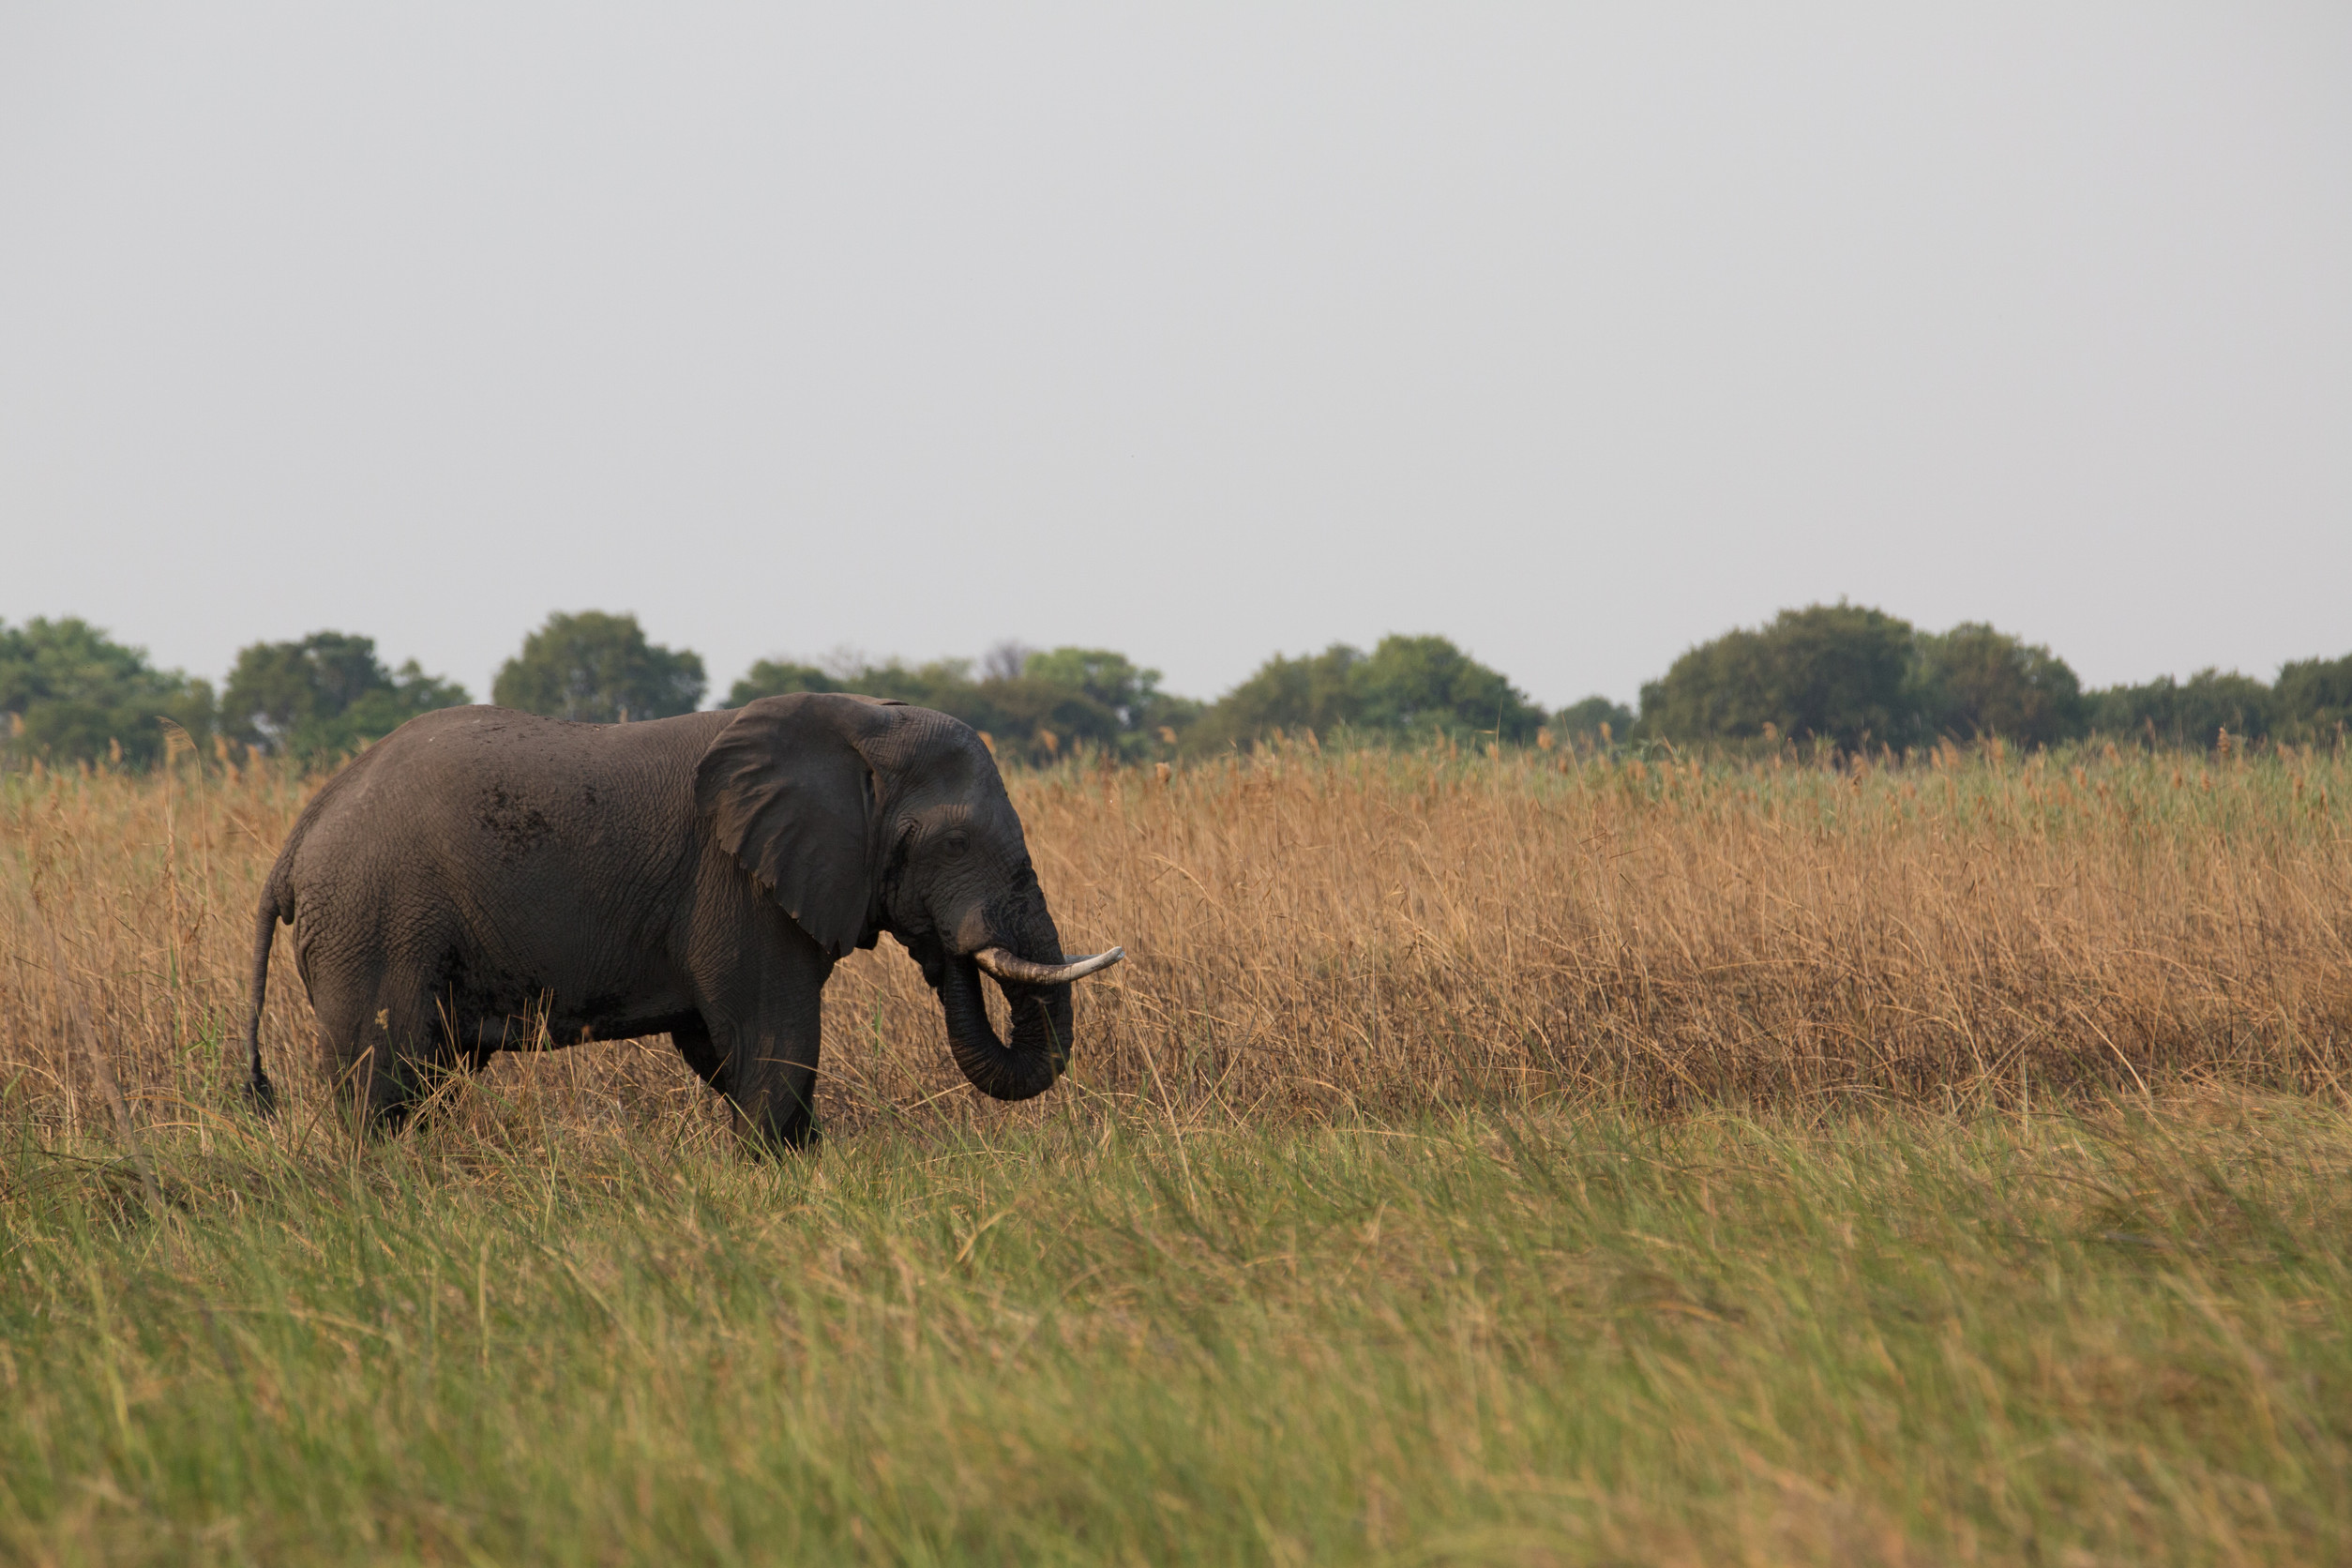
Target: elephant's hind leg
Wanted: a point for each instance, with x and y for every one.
(385, 1048)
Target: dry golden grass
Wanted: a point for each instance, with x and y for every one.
(1154, 1318)
(1377, 933)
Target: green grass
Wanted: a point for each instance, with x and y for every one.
(2115, 1337)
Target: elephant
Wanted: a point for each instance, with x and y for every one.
(482, 879)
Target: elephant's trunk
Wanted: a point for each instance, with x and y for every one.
(1041, 1032)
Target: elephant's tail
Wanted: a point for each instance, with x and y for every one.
(277, 904)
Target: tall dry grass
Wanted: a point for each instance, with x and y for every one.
(1375, 931)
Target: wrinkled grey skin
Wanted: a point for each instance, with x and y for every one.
(480, 868)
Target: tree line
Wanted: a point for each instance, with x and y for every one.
(1854, 676)
(1843, 675)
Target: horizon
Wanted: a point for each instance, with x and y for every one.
(846, 661)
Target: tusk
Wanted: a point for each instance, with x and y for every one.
(1005, 966)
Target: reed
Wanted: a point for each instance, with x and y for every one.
(1315, 933)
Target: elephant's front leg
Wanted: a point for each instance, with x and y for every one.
(767, 1033)
(702, 1053)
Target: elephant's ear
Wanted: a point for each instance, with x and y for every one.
(789, 792)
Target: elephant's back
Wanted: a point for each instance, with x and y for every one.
(504, 805)
(481, 737)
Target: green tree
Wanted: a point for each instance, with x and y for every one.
(943, 683)
(1405, 684)
(1110, 680)
(778, 678)
(1580, 720)
(1034, 706)
(1039, 720)
(2312, 700)
(1310, 692)
(2192, 712)
(1144, 714)
(69, 693)
(1841, 672)
(1974, 681)
(324, 695)
(598, 668)
(1426, 683)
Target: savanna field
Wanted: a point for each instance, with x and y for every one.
(1517, 1158)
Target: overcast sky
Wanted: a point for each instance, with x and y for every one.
(1576, 333)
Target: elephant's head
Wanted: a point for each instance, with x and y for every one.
(860, 816)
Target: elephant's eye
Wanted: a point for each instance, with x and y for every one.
(956, 843)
